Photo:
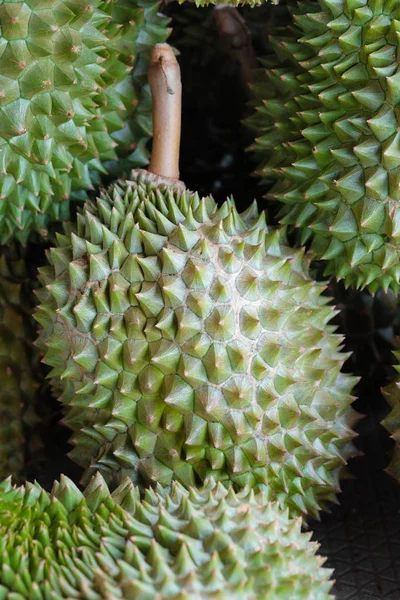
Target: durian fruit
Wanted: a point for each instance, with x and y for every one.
(188, 544)
(328, 138)
(392, 422)
(19, 365)
(66, 98)
(191, 342)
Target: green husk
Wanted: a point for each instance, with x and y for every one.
(190, 341)
(69, 109)
(207, 544)
(327, 136)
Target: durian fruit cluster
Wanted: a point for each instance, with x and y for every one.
(189, 345)
(161, 268)
(205, 543)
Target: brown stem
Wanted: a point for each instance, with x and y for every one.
(166, 89)
(236, 39)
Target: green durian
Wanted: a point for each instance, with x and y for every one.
(186, 544)
(19, 364)
(190, 341)
(328, 138)
(66, 101)
(392, 422)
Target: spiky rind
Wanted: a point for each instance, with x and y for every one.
(198, 544)
(191, 342)
(66, 100)
(329, 137)
(19, 373)
(392, 422)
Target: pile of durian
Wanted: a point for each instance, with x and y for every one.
(189, 345)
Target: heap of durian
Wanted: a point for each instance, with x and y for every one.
(190, 341)
(392, 421)
(66, 96)
(19, 382)
(329, 138)
(197, 544)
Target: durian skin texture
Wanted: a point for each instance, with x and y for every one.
(67, 95)
(329, 138)
(185, 545)
(19, 362)
(191, 342)
(392, 421)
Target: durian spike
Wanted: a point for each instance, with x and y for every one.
(166, 89)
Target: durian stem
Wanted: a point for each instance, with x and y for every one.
(236, 38)
(166, 89)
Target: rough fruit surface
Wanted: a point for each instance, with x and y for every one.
(189, 341)
(197, 544)
(66, 96)
(329, 136)
(392, 422)
(19, 380)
